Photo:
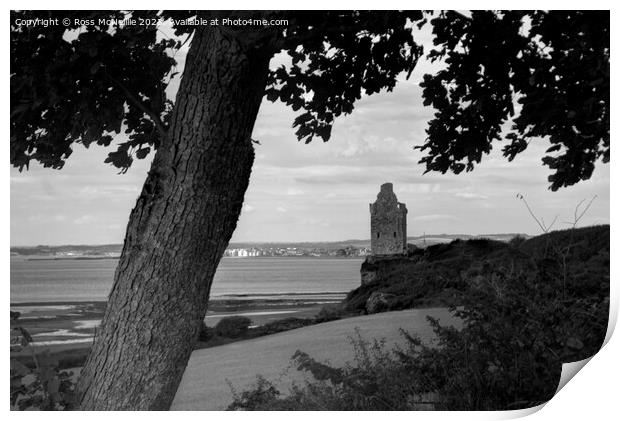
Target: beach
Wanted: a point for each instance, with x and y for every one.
(66, 329)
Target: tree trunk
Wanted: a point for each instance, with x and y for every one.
(179, 228)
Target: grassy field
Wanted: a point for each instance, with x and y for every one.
(204, 385)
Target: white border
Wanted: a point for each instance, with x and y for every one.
(592, 394)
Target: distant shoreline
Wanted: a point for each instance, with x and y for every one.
(218, 299)
(30, 259)
(74, 258)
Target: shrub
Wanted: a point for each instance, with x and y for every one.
(44, 387)
(206, 333)
(375, 381)
(517, 240)
(233, 326)
(330, 312)
(260, 396)
(284, 325)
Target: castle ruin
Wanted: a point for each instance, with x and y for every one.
(388, 223)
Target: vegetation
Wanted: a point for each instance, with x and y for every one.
(206, 333)
(283, 325)
(233, 326)
(442, 274)
(231, 329)
(374, 381)
(555, 63)
(435, 275)
(523, 317)
(43, 387)
(331, 312)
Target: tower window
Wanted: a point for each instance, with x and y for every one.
(394, 234)
(378, 235)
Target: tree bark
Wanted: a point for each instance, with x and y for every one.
(179, 228)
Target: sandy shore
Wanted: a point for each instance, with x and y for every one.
(67, 328)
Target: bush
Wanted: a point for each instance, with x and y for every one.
(206, 333)
(283, 325)
(517, 240)
(375, 381)
(233, 326)
(330, 312)
(262, 394)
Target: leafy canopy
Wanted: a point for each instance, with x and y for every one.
(556, 64)
(86, 83)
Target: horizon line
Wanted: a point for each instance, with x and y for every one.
(287, 241)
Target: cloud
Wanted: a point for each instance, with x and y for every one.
(292, 191)
(84, 219)
(436, 217)
(471, 195)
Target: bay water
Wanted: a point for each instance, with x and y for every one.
(75, 280)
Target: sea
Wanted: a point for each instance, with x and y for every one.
(73, 280)
(58, 299)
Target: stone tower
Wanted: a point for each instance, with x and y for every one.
(388, 223)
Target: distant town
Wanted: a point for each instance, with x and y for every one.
(348, 251)
(341, 249)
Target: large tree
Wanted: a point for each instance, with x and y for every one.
(87, 81)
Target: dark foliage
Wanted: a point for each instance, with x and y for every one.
(430, 276)
(232, 327)
(283, 325)
(515, 242)
(584, 242)
(206, 333)
(40, 385)
(212, 336)
(327, 48)
(86, 83)
(263, 394)
(555, 62)
(331, 312)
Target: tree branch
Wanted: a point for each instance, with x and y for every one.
(138, 103)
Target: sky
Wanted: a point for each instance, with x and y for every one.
(319, 191)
